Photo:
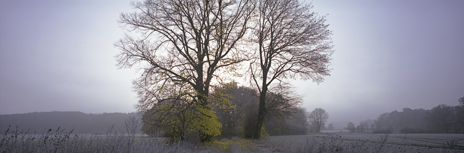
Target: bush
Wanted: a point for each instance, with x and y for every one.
(179, 122)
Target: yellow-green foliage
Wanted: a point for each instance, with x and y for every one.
(224, 145)
(166, 121)
(222, 103)
(178, 122)
(222, 100)
(220, 144)
(205, 121)
(263, 132)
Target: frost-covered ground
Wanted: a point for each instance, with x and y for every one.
(355, 142)
(62, 141)
(431, 140)
(14, 141)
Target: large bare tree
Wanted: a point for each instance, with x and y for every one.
(291, 41)
(181, 46)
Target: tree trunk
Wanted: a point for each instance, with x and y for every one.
(261, 112)
(202, 95)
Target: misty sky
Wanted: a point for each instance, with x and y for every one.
(59, 56)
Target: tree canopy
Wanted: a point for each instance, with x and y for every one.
(317, 118)
(184, 46)
(291, 41)
(181, 46)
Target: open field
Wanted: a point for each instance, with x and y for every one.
(60, 141)
(355, 142)
(430, 140)
(350, 142)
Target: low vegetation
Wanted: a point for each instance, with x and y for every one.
(60, 140)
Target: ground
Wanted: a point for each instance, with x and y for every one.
(343, 142)
(60, 141)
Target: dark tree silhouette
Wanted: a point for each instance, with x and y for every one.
(318, 117)
(236, 107)
(350, 127)
(440, 118)
(330, 126)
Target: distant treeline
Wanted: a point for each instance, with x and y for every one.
(40, 122)
(440, 119)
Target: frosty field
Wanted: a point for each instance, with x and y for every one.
(61, 141)
(430, 140)
(356, 142)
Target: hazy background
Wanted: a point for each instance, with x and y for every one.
(59, 56)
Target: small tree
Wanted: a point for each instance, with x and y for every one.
(363, 126)
(318, 117)
(330, 127)
(350, 127)
(372, 127)
(461, 101)
(132, 125)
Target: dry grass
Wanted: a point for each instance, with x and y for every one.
(64, 141)
(61, 141)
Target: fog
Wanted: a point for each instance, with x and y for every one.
(59, 56)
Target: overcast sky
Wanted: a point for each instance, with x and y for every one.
(59, 56)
